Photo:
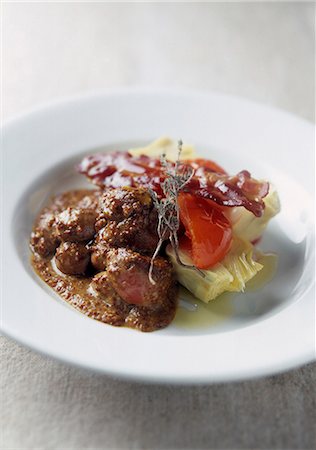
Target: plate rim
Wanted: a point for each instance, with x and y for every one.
(94, 94)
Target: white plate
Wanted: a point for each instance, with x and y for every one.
(250, 335)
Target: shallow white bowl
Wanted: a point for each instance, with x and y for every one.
(255, 334)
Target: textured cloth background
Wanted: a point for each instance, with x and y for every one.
(263, 51)
(51, 406)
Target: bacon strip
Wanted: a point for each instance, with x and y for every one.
(119, 169)
(237, 190)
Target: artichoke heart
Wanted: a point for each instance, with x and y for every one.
(231, 274)
(249, 227)
(165, 145)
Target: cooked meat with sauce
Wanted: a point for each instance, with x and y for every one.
(128, 219)
(119, 204)
(99, 251)
(72, 258)
(76, 224)
(127, 273)
(44, 239)
(102, 242)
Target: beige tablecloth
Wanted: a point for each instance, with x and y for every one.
(50, 50)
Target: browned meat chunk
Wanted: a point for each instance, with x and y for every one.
(90, 201)
(128, 219)
(44, 240)
(83, 198)
(99, 251)
(76, 224)
(101, 285)
(127, 273)
(72, 258)
(119, 204)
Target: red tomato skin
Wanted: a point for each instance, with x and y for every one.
(208, 232)
(206, 164)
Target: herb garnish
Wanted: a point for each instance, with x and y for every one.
(177, 176)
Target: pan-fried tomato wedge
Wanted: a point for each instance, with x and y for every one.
(207, 164)
(208, 232)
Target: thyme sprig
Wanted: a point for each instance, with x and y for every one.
(177, 176)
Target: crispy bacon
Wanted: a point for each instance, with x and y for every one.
(225, 190)
(119, 169)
